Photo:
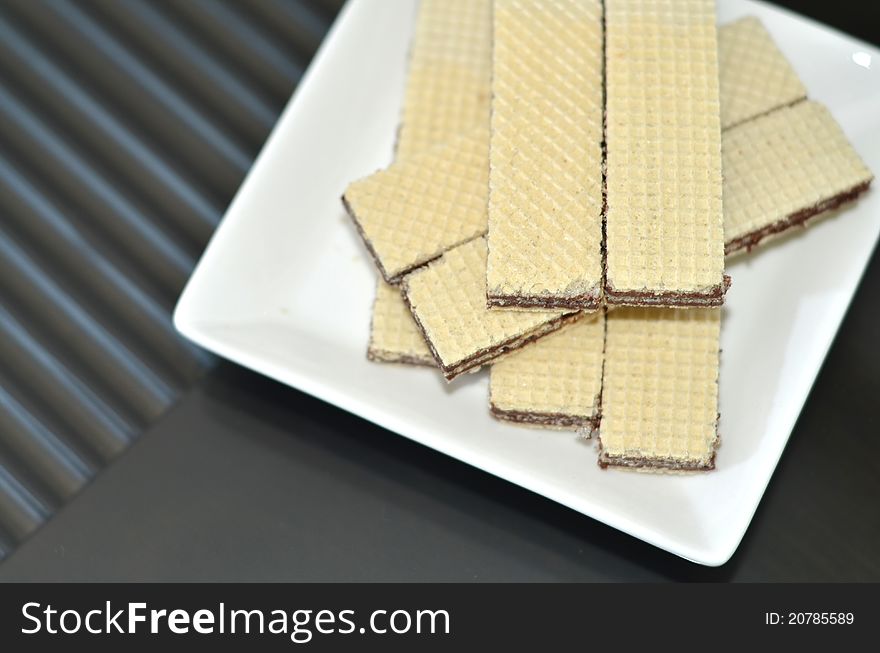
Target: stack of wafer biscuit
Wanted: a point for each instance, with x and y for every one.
(569, 178)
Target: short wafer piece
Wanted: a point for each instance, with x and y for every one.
(421, 206)
(545, 179)
(664, 234)
(660, 389)
(754, 76)
(434, 196)
(447, 88)
(394, 337)
(555, 382)
(783, 169)
(448, 300)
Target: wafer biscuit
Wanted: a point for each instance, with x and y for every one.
(754, 76)
(448, 300)
(660, 389)
(664, 234)
(447, 93)
(413, 211)
(447, 88)
(545, 180)
(783, 169)
(434, 196)
(787, 166)
(555, 382)
(394, 337)
(416, 209)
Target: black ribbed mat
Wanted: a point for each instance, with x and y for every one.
(125, 128)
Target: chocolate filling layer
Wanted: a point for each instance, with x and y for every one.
(378, 356)
(589, 301)
(487, 354)
(398, 275)
(711, 297)
(671, 464)
(798, 218)
(559, 420)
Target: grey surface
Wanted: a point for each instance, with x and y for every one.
(245, 479)
(248, 480)
(125, 128)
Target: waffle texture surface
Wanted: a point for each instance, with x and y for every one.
(789, 162)
(417, 209)
(413, 211)
(665, 242)
(660, 389)
(545, 198)
(553, 382)
(754, 76)
(448, 300)
(447, 89)
(784, 168)
(394, 337)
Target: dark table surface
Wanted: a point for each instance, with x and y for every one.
(245, 479)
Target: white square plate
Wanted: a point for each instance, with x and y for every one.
(285, 288)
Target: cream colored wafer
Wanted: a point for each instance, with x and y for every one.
(394, 337)
(421, 206)
(448, 300)
(660, 389)
(781, 168)
(754, 76)
(784, 168)
(447, 93)
(447, 88)
(555, 382)
(416, 209)
(544, 357)
(430, 199)
(545, 180)
(664, 234)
